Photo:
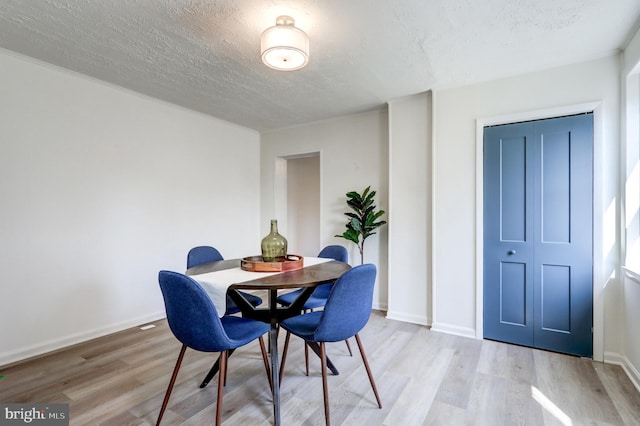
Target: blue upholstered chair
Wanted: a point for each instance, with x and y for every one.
(319, 296)
(346, 312)
(202, 254)
(205, 254)
(194, 321)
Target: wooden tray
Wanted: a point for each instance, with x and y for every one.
(255, 264)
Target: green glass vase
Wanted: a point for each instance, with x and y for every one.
(274, 245)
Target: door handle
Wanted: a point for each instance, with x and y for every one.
(511, 252)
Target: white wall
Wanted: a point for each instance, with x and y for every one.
(410, 209)
(353, 155)
(457, 260)
(100, 189)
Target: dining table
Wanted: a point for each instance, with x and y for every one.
(227, 276)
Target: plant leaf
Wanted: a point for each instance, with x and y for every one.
(363, 219)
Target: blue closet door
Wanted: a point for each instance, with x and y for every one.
(508, 233)
(538, 221)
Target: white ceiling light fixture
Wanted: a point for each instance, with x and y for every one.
(284, 47)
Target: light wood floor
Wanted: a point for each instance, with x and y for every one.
(424, 378)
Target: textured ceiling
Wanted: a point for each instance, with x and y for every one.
(204, 54)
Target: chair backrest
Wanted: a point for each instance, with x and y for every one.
(335, 252)
(202, 254)
(192, 317)
(349, 305)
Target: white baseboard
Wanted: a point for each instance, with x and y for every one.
(454, 329)
(21, 354)
(621, 360)
(380, 306)
(414, 319)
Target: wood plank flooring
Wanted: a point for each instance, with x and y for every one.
(424, 378)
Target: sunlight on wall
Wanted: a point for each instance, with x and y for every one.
(632, 194)
(609, 229)
(552, 408)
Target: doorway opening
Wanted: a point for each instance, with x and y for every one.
(302, 185)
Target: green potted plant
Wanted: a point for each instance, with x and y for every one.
(363, 218)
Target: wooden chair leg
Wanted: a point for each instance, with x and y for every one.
(306, 348)
(266, 362)
(325, 390)
(348, 347)
(171, 383)
(366, 366)
(221, 379)
(225, 371)
(284, 356)
(213, 371)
